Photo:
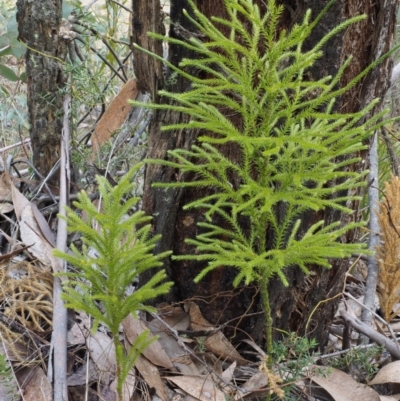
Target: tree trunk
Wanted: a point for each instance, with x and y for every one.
(38, 26)
(308, 304)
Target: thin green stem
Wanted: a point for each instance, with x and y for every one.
(118, 370)
(268, 324)
(268, 318)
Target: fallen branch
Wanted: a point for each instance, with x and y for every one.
(14, 145)
(371, 334)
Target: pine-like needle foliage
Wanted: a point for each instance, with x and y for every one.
(121, 248)
(297, 152)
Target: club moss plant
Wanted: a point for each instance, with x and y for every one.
(297, 151)
(117, 248)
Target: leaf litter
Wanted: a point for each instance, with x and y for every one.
(191, 358)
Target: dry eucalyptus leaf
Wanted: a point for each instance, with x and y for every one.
(154, 352)
(227, 374)
(35, 384)
(216, 343)
(80, 330)
(178, 355)
(256, 347)
(5, 187)
(31, 231)
(45, 229)
(6, 207)
(80, 377)
(151, 376)
(197, 321)
(129, 386)
(201, 388)
(341, 387)
(390, 373)
(175, 317)
(256, 382)
(219, 345)
(102, 353)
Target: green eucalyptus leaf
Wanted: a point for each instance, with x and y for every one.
(17, 49)
(67, 9)
(5, 50)
(8, 73)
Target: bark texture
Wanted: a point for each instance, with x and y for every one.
(38, 26)
(307, 306)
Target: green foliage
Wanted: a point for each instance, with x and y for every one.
(296, 150)
(9, 30)
(292, 355)
(362, 363)
(252, 92)
(8, 73)
(13, 112)
(117, 248)
(7, 381)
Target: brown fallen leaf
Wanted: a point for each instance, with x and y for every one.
(199, 387)
(80, 330)
(129, 386)
(227, 374)
(80, 377)
(151, 376)
(216, 343)
(219, 345)
(5, 194)
(197, 321)
(175, 317)
(178, 356)
(390, 373)
(102, 353)
(255, 383)
(35, 384)
(31, 231)
(341, 387)
(6, 207)
(115, 115)
(154, 352)
(45, 229)
(5, 188)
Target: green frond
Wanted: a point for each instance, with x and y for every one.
(296, 151)
(117, 247)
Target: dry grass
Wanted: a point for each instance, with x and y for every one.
(388, 252)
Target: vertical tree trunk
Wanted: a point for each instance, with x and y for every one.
(308, 304)
(38, 26)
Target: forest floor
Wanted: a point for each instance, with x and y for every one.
(190, 358)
